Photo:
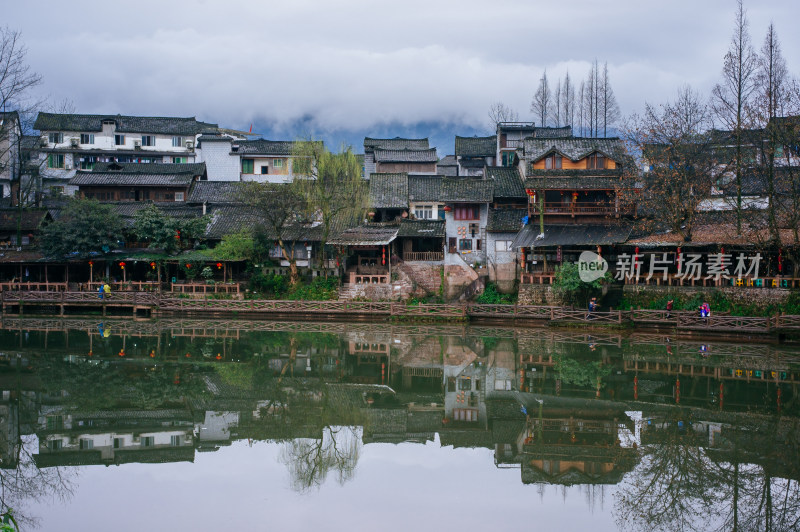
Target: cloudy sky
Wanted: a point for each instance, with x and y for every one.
(344, 69)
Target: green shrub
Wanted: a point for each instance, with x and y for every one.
(491, 296)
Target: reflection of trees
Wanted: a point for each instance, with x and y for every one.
(28, 484)
(684, 484)
(310, 460)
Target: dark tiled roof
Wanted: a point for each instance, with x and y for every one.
(553, 132)
(422, 228)
(229, 219)
(194, 169)
(571, 235)
(129, 209)
(406, 156)
(116, 179)
(396, 143)
(476, 146)
(505, 220)
(448, 166)
(213, 138)
(507, 181)
(424, 187)
(265, 147)
(574, 148)
(366, 235)
(125, 124)
(388, 191)
(216, 192)
(466, 190)
(578, 183)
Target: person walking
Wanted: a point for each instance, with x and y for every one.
(106, 288)
(592, 307)
(100, 291)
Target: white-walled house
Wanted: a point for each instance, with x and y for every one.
(71, 142)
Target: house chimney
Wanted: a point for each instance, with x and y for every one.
(204, 208)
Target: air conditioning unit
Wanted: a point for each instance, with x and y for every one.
(189, 144)
(137, 144)
(73, 142)
(44, 140)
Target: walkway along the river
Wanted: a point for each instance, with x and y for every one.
(150, 303)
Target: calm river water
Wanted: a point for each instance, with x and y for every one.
(243, 425)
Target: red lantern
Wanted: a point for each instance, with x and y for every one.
(153, 265)
(152, 353)
(91, 263)
(780, 261)
(219, 265)
(122, 265)
(447, 208)
(383, 256)
(188, 266)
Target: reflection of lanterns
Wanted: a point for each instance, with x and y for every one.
(188, 355)
(152, 353)
(219, 356)
(91, 353)
(780, 261)
(121, 352)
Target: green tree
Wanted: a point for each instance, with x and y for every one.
(86, 226)
(332, 186)
(573, 290)
(167, 232)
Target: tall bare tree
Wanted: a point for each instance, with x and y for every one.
(732, 97)
(540, 106)
(592, 99)
(500, 112)
(568, 101)
(555, 111)
(609, 112)
(581, 111)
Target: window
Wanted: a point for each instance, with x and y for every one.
(86, 443)
(502, 245)
(175, 440)
(597, 162)
(424, 212)
(179, 196)
(464, 384)
(55, 138)
(277, 163)
(87, 138)
(55, 160)
(465, 244)
(508, 158)
(465, 414)
(467, 212)
(55, 445)
(473, 230)
(55, 191)
(148, 441)
(148, 140)
(247, 166)
(118, 442)
(119, 140)
(265, 169)
(55, 422)
(553, 162)
(87, 163)
(177, 142)
(179, 160)
(478, 244)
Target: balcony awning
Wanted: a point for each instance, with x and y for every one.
(571, 235)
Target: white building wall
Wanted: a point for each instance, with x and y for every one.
(451, 231)
(221, 165)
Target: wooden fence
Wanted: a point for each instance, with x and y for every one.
(682, 320)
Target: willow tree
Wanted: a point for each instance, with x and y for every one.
(332, 186)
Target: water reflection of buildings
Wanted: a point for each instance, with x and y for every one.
(602, 396)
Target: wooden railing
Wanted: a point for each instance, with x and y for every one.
(46, 287)
(565, 315)
(429, 311)
(722, 322)
(205, 288)
(66, 298)
(429, 256)
(586, 207)
(537, 278)
(127, 286)
(358, 278)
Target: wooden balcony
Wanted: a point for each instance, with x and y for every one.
(537, 278)
(359, 278)
(581, 208)
(205, 288)
(423, 256)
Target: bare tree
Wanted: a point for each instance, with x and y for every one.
(568, 101)
(609, 108)
(540, 107)
(674, 141)
(555, 111)
(499, 112)
(582, 109)
(592, 99)
(731, 98)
